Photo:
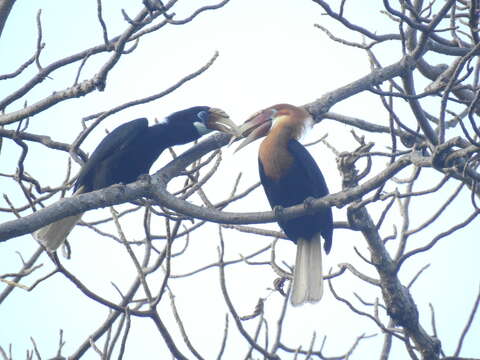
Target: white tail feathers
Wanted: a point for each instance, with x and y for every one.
(308, 278)
(53, 235)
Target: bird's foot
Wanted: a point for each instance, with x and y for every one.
(278, 211)
(308, 205)
(145, 178)
(120, 187)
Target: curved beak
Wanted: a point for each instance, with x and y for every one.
(256, 127)
(219, 120)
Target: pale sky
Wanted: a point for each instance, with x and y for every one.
(270, 52)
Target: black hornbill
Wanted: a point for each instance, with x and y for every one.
(290, 176)
(129, 151)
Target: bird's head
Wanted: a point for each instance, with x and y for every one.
(293, 119)
(197, 121)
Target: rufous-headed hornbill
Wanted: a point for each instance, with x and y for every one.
(129, 151)
(290, 176)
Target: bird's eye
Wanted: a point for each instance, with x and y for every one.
(203, 116)
(273, 113)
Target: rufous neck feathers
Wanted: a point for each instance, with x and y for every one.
(290, 122)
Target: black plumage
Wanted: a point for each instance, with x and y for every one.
(290, 176)
(129, 151)
(303, 180)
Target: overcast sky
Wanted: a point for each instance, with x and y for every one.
(270, 52)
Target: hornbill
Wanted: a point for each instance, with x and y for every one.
(129, 151)
(290, 176)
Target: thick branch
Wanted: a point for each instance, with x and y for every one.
(399, 302)
(156, 189)
(376, 77)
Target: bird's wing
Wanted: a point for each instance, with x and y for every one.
(307, 166)
(317, 187)
(303, 176)
(114, 141)
(302, 180)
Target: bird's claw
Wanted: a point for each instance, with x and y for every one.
(118, 187)
(308, 205)
(278, 212)
(145, 178)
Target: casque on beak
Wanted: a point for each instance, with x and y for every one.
(219, 120)
(256, 127)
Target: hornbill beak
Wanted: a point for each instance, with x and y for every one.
(256, 127)
(219, 120)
